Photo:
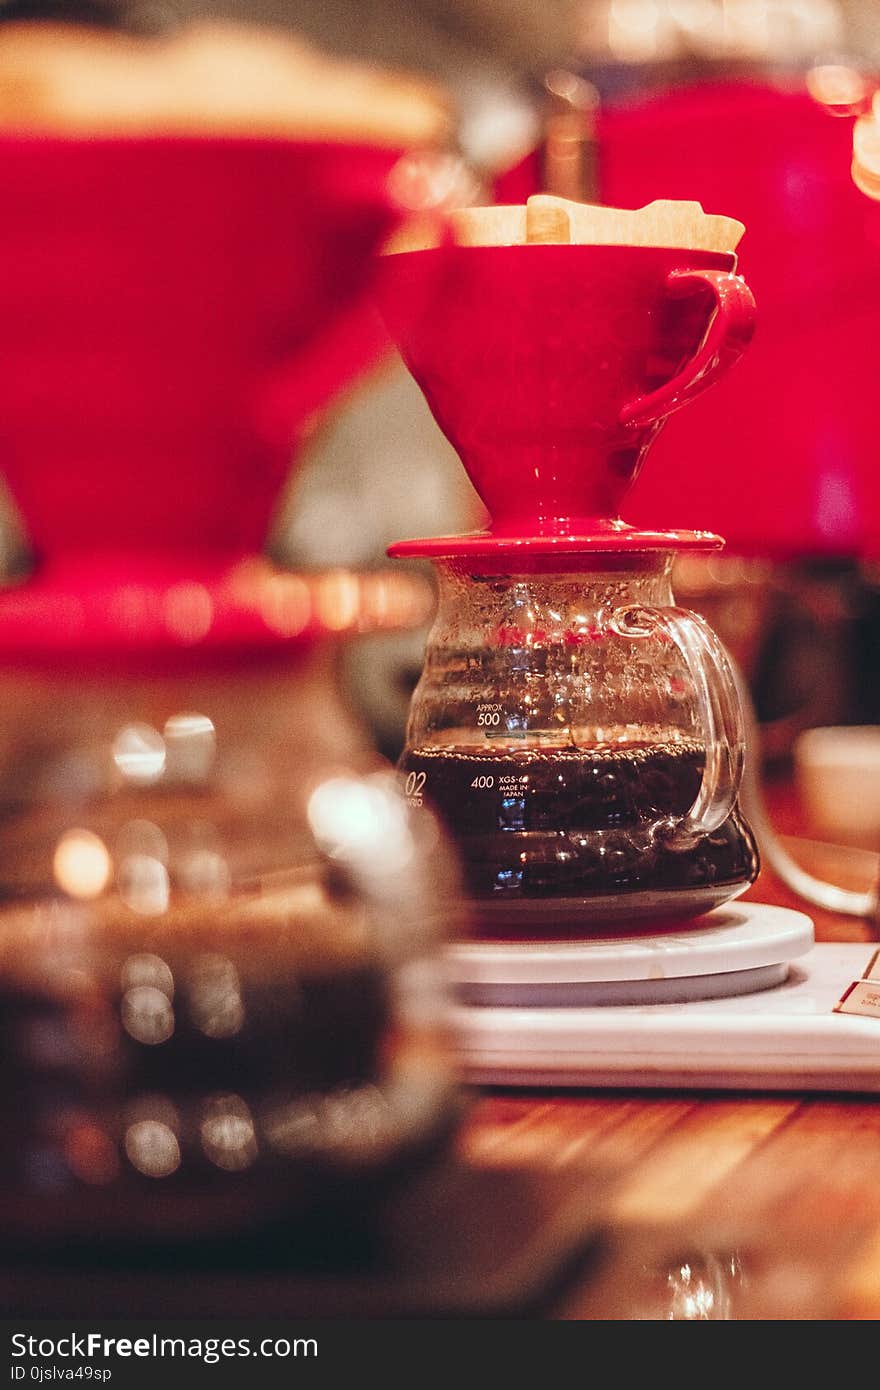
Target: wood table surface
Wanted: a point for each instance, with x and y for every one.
(739, 1206)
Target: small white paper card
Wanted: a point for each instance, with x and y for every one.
(862, 997)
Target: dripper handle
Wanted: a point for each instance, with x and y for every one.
(720, 714)
(727, 337)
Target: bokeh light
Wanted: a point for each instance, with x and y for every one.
(147, 1015)
(82, 865)
(228, 1134)
(139, 753)
(152, 1148)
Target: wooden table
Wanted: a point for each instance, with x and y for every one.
(739, 1206)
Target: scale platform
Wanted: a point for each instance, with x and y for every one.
(743, 1002)
(735, 950)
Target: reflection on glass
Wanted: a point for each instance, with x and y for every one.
(842, 89)
(82, 865)
(152, 1148)
(143, 884)
(191, 746)
(215, 997)
(148, 970)
(91, 1154)
(139, 753)
(228, 1136)
(147, 1015)
(363, 824)
(206, 872)
(338, 600)
(356, 1121)
(141, 837)
(284, 601)
(349, 1124)
(697, 1287)
(189, 612)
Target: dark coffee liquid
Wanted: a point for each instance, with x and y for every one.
(552, 835)
(208, 1078)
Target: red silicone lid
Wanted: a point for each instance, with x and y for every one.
(607, 539)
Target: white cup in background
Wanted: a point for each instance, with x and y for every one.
(837, 774)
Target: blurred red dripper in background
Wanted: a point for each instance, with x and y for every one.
(173, 311)
(781, 461)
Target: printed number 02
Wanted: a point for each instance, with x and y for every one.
(415, 783)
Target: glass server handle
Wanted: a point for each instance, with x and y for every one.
(719, 712)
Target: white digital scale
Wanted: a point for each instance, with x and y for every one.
(743, 1001)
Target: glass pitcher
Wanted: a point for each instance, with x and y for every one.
(582, 738)
(221, 998)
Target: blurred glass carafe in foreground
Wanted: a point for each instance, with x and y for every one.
(580, 734)
(220, 997)
(216, 967)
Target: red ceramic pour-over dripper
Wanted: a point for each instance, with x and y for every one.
(172, 310)
(552, 368)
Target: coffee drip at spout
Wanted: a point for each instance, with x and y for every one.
(579, 733)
